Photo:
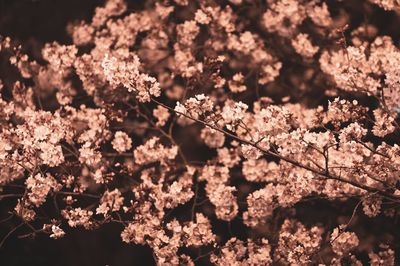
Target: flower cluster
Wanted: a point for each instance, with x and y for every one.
(121, 142)
(343, 242)
(124, 70)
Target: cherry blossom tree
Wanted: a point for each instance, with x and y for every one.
(179, 115)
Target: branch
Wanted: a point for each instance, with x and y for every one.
(288, 160)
